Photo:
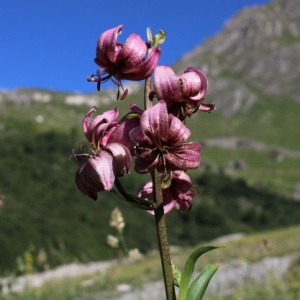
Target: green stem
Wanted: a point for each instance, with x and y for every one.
(161, 229)
(160, 219)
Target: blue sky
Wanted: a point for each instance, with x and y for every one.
(51, 44)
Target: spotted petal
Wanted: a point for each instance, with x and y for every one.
(93, 129)
(203, 86)
(178, 195)
(154, 121)
(121, 158)
(145, 68)
(133, 52)
(184, 157)
(177, 132)
(166, 84)
(130, 60)
(160, 142)
(96, 175)
(107, 47)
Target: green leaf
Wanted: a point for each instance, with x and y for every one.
(199, 285)
(189, 269)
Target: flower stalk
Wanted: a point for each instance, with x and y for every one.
(160, 218)
(156, 137)
(161, 230)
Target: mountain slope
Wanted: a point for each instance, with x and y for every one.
(250, 154)
(256, 55)
(253, 71)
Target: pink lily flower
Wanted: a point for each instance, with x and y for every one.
(111, 156)
(183, 93)
(98, 173)
(130, 60)
(178, 195)
(160, 142)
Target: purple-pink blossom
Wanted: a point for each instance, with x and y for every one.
(131, 60)
(183, 93)
(111, 157)
(160, 142)
(98, 173)
(178, 194)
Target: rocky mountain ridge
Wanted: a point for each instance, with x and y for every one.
(256, 55)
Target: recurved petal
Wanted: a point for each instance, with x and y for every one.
(107, 45)
(96, 175)
(154, 121)
(83, 184)
(169, 201)
(87, 121)
(135, 109)
(184, 157)
(145, 68)
(190, 84)
(207, 107)
(132, 53)
(184, 201)
(139, 138)
(99, 171)
(146, 191)
(100, 122)
(169, 206)
(182, 181)
(121, 133)
(105, 118)
(102, 165)
(121, 158)
(178, 132)
(146, 163)
(204, 84)
(166, 84)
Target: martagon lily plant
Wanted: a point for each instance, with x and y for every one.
(154, 138)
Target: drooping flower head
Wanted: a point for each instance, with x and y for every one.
(110, 159)
(98, 173)
(130, 60)
(178, 194)
(160, 142)
(183, 93)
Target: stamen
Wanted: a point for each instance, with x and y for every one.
(124, 94)
(99, 79)
(75, 155)
(116, 81)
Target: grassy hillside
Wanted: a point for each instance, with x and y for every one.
(275, 163)
(249, 179)
(43, 209)
(247, 250)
